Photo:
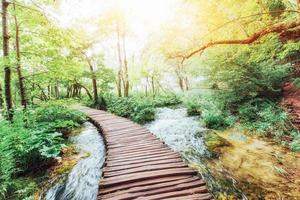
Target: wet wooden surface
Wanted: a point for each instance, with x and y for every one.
(140, 166)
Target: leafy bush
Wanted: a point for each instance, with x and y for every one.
(166, 100)
(254, 71)
(193, 105)
(31, 143)
(275, 7)
(143, 111)
(215, 115)
(215, 119)
(264, 117)
(138, 109)
(61, 117)
(295, 144)
(296, 82)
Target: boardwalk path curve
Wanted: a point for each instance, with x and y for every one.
(140, 166)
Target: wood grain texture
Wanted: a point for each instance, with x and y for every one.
(140, 166)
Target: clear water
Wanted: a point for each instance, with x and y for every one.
(185, 135)
(182, 133)
(83, 180)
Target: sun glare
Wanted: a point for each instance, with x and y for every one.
(142, 16)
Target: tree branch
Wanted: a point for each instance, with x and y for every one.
(281, 29)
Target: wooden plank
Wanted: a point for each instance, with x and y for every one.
(111, 163)
(123, 132)
(123, 150)
(193, 197)
(143, 157)
(120, 154)
(130, 166)
(182, 192)
(145, 168)
(147, 182)
(156, 187)
(172, 191)
(140, 166)
(133, 137)
(129, 178)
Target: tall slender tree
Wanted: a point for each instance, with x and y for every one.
(7, 69)
(1, 97)
(94, 79)
(18, 57)
(125, 68)
(120, 70)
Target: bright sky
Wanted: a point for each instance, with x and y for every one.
(142, 16)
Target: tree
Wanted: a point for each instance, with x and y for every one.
(18, 58)
(123, 79)
(93, 77)
(120, 70)
(1, 97)
(7, 70)
(125, 69)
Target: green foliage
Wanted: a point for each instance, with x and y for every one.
(295, 144)
(193, 105)
(267, 118)
(296, 82)
(166, 100)
(264, 117)
(242, 74)
(213, 113)
(30, 144)
(61, 118)
(138, 109)
(274, 6)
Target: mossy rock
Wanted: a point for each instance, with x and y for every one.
(214, 142)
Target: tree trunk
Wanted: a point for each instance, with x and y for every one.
(146, 87)
(87, 91)
(119, 78)
(43, 94)
(56, 90)
(18, 56)
(153, 85)
(125, 71)
(7, 70)
(180, 80)
(32, 88)
(49, 91)
(1, 97)
(186, 80)
(94, 81)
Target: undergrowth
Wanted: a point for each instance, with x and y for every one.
(31, 143)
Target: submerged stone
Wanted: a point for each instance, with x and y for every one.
(214, 142)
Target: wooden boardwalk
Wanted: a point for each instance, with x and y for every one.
(140, 166)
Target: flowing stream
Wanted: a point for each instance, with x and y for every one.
(180, 132)
(83, 180)
(185, 135)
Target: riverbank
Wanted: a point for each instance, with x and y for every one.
(247, 167)
(79, 180)
(261, 168)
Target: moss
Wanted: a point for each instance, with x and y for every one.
(65, 167)
(213, 142)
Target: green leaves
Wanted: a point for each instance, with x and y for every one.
(33, 140)
(138, 109)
